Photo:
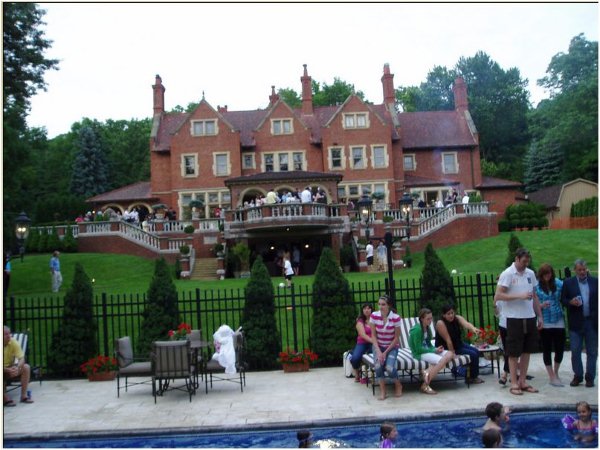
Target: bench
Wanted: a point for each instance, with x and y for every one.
(409, 367)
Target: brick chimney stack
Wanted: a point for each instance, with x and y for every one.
(307, 106)
(387, 80)
(222, 109)
(159, 96)
(273, 98)
(461, 103)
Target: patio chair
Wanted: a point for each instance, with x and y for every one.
(130, 366)
(171, 360)
(196, 344)
(212, 367)
(15, 383)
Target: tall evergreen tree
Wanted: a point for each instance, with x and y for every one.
(543, 165)
(436, 283)
(334, 314)
(263, 342)
(513, 245)
(75, 340)
(90, 174)
(161, 313)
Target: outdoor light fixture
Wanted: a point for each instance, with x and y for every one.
(365, 206)
(22, 225)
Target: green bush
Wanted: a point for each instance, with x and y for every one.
(189, 229)
(513, 245)
(43, 242)
(503, 225)
(32, 242)
(263, 342)
(242, 251)
(69, 243)
(161, 313)
(436, 284)
(346, 255)
(54, 242)
(74, 342)
(334, 314)
(177, 269)
(585, 208)
(407, 257)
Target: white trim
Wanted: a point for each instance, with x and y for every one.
(183, 166)
(353, 118)
(364, 157)
(386, 161)
(342, 150)
(203, 122)
(253, 157)
(413, 157)
(455, 155)
(290, 153)
(228, 162)
(281, 121)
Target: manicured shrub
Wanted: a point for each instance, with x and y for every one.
(513, 245)
(42, 246)
(161, 313)
(32, 242)
(263, 342)
(334, 314)
(75, 340)
(407, 257)
(69, 243)
(436, 284)
(54, 242)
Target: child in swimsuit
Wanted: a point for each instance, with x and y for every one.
(388, 433)
(585, 427)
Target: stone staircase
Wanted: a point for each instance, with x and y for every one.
(204, 269)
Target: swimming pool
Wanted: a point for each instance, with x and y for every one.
(526, 429)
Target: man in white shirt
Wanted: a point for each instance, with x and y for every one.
(369, 250)
(306, 195)
(465, 202)
(272, 197)
(516, 288)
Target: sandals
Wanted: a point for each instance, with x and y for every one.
(26, 400)
(426, 379)
(502, 380)
(515, 391)
(426, 389)
(9, 403)
(529, 389)
(476, 381)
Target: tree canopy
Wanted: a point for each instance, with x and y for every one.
(323, 94)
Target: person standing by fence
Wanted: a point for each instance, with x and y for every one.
(55, 271)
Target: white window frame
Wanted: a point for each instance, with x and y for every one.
(386, 161)
(282, 122)
(350, 121)
(342, 157)
(183, 165)
(370, 187)
(291, 162)
(202, 124)
(364, 157)
(455, 156)
(228, 162)
(252, 158)
(413, 157)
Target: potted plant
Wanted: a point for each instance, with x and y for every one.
(189, 229)
(295, 361)
(218, 249)
(388, 219)
(242, 251)
(159, 210)
(346, 257)
(377, 195)
(180, 334)
(194, 204)
(100, 368)
(184, 250)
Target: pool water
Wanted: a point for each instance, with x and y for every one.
(528, 430)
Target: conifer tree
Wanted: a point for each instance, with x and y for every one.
(75, 340)
(334, 313)
(32, 242)
(90, 170)
(54, 242)
(69, 243)
(513, 245)
(263, 341)
(42, 245)
(162, 312)
(436, 283)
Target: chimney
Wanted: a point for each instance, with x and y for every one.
(159, 96)
(387, 80)
(307, 106)
(273, 97)
(460, 94)
(222, 109)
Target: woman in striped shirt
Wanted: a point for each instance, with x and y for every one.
(385, 328)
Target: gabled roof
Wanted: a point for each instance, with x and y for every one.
(135, 191)
(273, 107)
(169, 124)
(217, 113)
(547, 196)
(246, 122)
(435, 129)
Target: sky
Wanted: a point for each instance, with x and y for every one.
(109, 53)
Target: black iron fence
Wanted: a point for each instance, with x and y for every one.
(120, 315)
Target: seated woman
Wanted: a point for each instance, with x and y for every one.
(386, 336)
(422, 349)
(364, 340)
(447, 334)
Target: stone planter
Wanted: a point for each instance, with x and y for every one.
(102, 376)
(295, 367)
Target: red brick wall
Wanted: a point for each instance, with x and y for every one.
(116, 244)
(429, 165)
(500, 199)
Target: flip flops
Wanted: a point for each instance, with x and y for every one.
(515, 391)
(9, 403)
(529, 389)
(426, 389)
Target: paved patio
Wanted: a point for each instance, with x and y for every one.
(317, 397)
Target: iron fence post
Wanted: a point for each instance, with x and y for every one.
(105, 323)
(294, 321)
(198, 320)
(12, 314)
(480, 299)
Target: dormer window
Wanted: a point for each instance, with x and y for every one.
(281, 126)
(204, 127)
(356, 120)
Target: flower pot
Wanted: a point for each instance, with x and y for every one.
(102, 376)
(295, 367)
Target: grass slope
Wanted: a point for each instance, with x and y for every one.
(129, 274)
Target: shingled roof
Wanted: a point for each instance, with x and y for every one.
(297, 175)
(435, 129)
(498, 183)
(136, 191)
(416, 181)
(547, 196)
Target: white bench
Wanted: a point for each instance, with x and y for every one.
(408, 366)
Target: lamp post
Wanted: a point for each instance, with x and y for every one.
(406, 203)
(365, 206)
(22, 225)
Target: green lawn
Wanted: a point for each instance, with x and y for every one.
(119, 274)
